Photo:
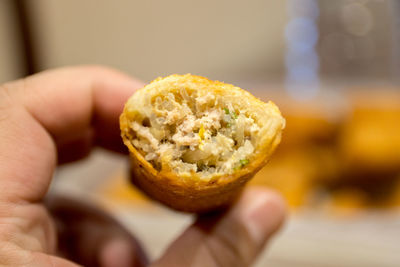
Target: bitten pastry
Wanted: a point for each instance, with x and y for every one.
(194, 143)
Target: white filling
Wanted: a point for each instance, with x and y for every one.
(195, 134)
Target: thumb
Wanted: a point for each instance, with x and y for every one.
(234, 238)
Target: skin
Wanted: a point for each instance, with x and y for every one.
(57, 117)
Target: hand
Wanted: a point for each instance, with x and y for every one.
(58, 116)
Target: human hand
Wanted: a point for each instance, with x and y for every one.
(58, 116)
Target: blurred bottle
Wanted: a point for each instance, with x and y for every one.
(394, 7)
(342, 41)
(357, 39)
(302, 60)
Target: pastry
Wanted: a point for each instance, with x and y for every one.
(194, 143)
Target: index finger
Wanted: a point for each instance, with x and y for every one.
(52, 107)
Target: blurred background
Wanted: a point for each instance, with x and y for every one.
(333, 67)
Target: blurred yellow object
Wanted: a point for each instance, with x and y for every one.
(369, 144)
(327, 146)
(287, 178)
(294, 173)
(312, 121)
(300, 130)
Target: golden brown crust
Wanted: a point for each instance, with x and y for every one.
(193, 194)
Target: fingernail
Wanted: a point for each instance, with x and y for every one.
(262, 214)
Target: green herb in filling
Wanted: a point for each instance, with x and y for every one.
(233, 114)
(244, 162)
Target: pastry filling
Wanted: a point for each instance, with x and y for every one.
(187, 133)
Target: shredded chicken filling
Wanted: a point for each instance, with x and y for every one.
(190, 133)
